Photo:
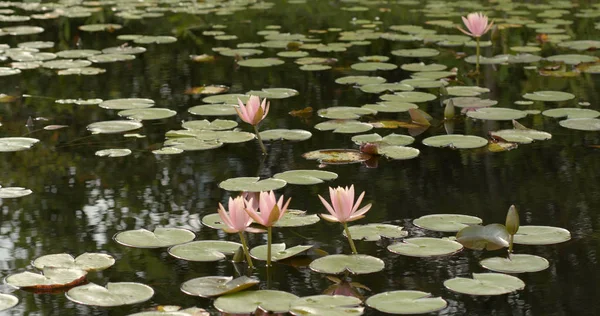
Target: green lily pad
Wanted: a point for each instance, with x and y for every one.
(423, 67)
(580, 45)
(127, 104)
(124, 50)
(344, 112)
(285, 134)
(204, 250)
(83, 71)
(313, 61)
(337, 156)
(360, 80)
(210, 137)
(448, 223)
(6, 71)
(79, 101)
(515, 263)
(373, 66)
(160, 238)
(231, 98)
(549, 96)
(36, 44)
(242, 52)
(155, 39)
(211, 286)
(99, 27)
(490, 237)
(22, 30)
(417, 52)
(374, 232)
(456, 141)
(86, 261)
(391, 106)
(66, 64)
(374, 58)
(541, 235)
(8, 301)
(114, 294)
(251, 184)
(248, 301)
(525, 49)
(111, 127)
(260, 62)
(433, 75)
(52, 277)
(398, 152)
(314, 67)
(344, 126)
(573, 59)
(389, 140)
(383, 87)
(216, 125)
(425, 247)
(278, 251)
(296, 218)
(213, 109)
(293, 54)
(330, 305)
(409, 96)
(496, 114)
(14, 192)
(522, 136)
(354, 264)
(424, 83)
(582, 124)
(305, 177)
(147, 114)
(78, 53)
(471, 102)
(274, 93)
(168, 151)
(485, 284)
(406, 302)
(466, 91)
(190, 144)
(113, 152)
(571, 113)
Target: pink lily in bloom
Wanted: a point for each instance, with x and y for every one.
(237, 220)
(344, 209)
(254, 111)
(271, 209)
(252, 197)
(477, 24)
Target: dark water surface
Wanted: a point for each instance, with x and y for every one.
(80, 200)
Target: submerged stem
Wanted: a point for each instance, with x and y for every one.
(477, 55)
(260, 142)
(245, 248)
(269, 239)
(354, 252)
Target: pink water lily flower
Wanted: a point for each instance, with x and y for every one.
(237, 219)
(254, 111)
(271, 209)
(342, 207)
(477, 24)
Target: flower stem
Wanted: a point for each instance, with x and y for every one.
(260, 142)
(246, 252)
(354, 252)
(269, 240)
(510, 244)
(477, 55)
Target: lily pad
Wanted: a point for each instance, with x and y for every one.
(242, 52)
(354, 264)
(127, 104)
(541, 235)
(285, 134)
(360, 80)
(549, 96)
(211, 286)
(490, 237)
(100, 27)
(78, 53)
(406, 302)
(448, 223)
(204, 250)
(155, 39)
(337, 156)
(251, 184)
(374, 232)
(6, 71)
(383, 87)
(330, 305)
(496, 114)
(114, 294)
(260, 62)
(274, 93)
(409, 96)
(86, 261)
(213, 109)
(216, 125)
(278, 251)
(389, 140)
(423, 67)
(113, 152)
(344, 126)
(314, 67)
(373, 66)
(296, 218)
(305, 177)
(66, 64)
(425, 247)
(485, 284)
(425, 83)
(231, 98)
(471, 102)
(50, 279)
(14, 192)
(417, 52)
(83, 71)
(573, 59)
(466, 91)
(111, 127)
(582, 124)
(522, 136)
(571, 113)
(515, 263)
(248, 301)
(160, 238)
(147, 114)
(456, 141)
(391, 106)
(8, 144)
(189, 144)
(344, 112)
(8, 301)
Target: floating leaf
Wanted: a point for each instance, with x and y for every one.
(423, 67)
(51, 278)
(213, 110)
(354, 264)
(248, 301)
(417, 52)
(389, 140)
(541, 235)
(406, 302)
(251, 184)
(111, 127)
(147, 114)
(344, 112)
(113, 152)
(216, 125)
(260, 62)
(155, 39)
(344, 126)
(305, 177)
(522, 136)
(231, 98)
(496, 114)
(8, 144)
(409, 96)
(489, 237)
(373, 66)
(285, 134)
(573, 59)
(14, 192)
(296, 218)
(85, 71)
(204, 250)
(485, 284)
(278, 251)
(174, 146)
(549, 96)
(464, 91)
(374, 232)
(86, 261)
(216, 285)
(66, 64)
(391, 106)
(114, 294)
(330, 305)
(360, 80)
(383, 87)
(274, 93)
(456, 141)
(100, 27)
(126, 104)
(5, 71)
(160, 238)
(582, 124)
(314, 67)
(8, 301)
(515, 263)
(78, 53)
(471, 102)
(425, 247)
(424, 83)
(337, 156)
(571, 113)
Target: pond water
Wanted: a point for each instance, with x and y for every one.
(80, 201)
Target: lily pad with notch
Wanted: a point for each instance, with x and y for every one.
(471, 102)
(147, 114)
(496, 114)
(581, 124)
(305, 177)
(466, 91)
(485, 284)
(391, 106)
(344, 126)
(213, 109)
(456, 141)
(406, 302)
(424, 83)
(515, 263)
(114, 294)
(385, 87)
(260, 62)
(423, 67)
(449, 223)
(14, 192)
(424, 247)
(409, 96)
(571, 113)
(274, 93)
(278, 251)
(344, 112)
(204, 250)
(296, 218)
(374, 232)
(248, 302)
(178, 145)
(216, 125)
(251, 184)
(50, 278)
(360, 80)
(330, 305)
(112, 127)
(354, 264)
(160, 238)
(389, 140)
(549, 96)
(127, 104)
(541, 235)
(8, 301)
(113, 152)
(212, 286)
(231, 98)
(285, 134)
(373, 66)
(417, 52)
(337, 156)
(86, 261)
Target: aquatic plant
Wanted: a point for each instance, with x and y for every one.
(477, 24)
(237, 220)
(253, 113)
